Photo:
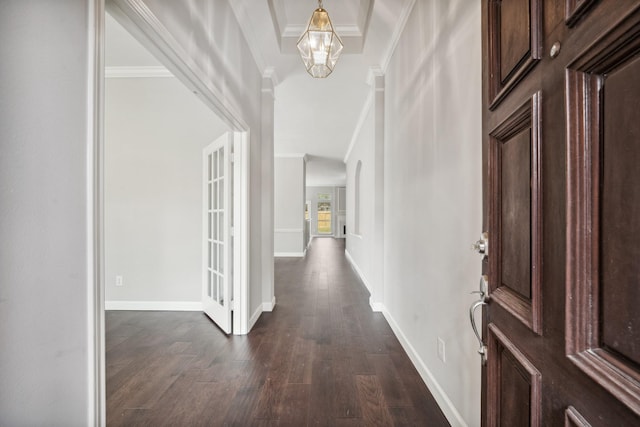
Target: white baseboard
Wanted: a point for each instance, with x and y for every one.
(254, 318)
(378, 307)
(357, 269)
(154, 305)
(289, 254)
(269, 306)
(448, 408)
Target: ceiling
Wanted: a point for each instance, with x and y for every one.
(317, 117)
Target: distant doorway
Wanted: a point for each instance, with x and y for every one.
(324, 218)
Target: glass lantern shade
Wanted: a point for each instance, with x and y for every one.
(319, 45)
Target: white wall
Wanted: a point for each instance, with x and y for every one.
(433, 198)
(289, 198)
(155, 131)
(47, 286)
(433, 189)
(359, 247)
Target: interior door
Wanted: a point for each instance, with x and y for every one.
(561, 181)
(217, 251)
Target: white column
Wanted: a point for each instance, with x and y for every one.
(376, 80)
(266, 141)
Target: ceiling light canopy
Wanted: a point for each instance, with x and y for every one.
(319, 45)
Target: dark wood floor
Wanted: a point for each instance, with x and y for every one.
(320, 358)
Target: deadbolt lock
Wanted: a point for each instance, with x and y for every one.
(482, 245)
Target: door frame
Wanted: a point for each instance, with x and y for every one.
(136, 18)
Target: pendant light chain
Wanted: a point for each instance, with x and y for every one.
(320, 4)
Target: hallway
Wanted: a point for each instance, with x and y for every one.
(320, 358)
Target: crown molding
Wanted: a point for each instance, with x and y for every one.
(270, 73)
(375, 78)
(136, 72)
(397, 33)
(295, 30)
(250, 36)
(136, 17)
(368, 103)
(291, 156)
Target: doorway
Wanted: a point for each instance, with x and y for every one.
(156, 40)
(325, 225)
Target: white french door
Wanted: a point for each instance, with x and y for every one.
(217, 280)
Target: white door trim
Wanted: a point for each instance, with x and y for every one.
(139, 20)
(217, 193)
(241, 171)
(96, 364)
(136, 18)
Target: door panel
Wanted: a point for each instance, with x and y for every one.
(216, 294)
(574, 419)
(576, 9)
(604, 202)
(514, 44)
(514, 384)
(620, 212)
(515, 215)
(561, 151)
(514, 156)
(515, 39)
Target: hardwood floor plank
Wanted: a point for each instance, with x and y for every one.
(277, 375)
(424, 404)
(322, 389)
(345, 397)
(293, 408)
(145, 387)
(374, 407)
(240, 412)
(321, 358)
(209, 404)
(302, 361)
(129, 417)
(392, 387)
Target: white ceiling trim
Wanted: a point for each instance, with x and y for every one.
(336, 183)
(290, 156)
(288, 33)
(275, 9)
(136, 17)
(368, 103)
(295, 31)
(136, 72)
(375, 71)
(242, 17)
(397, 33)
(270, 73)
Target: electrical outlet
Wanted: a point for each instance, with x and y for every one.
(441, 350)
(119, 281)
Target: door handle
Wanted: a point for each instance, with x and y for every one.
(482, 351)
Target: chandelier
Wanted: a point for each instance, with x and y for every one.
(319, 45)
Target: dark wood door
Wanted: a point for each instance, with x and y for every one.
(561, 167)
